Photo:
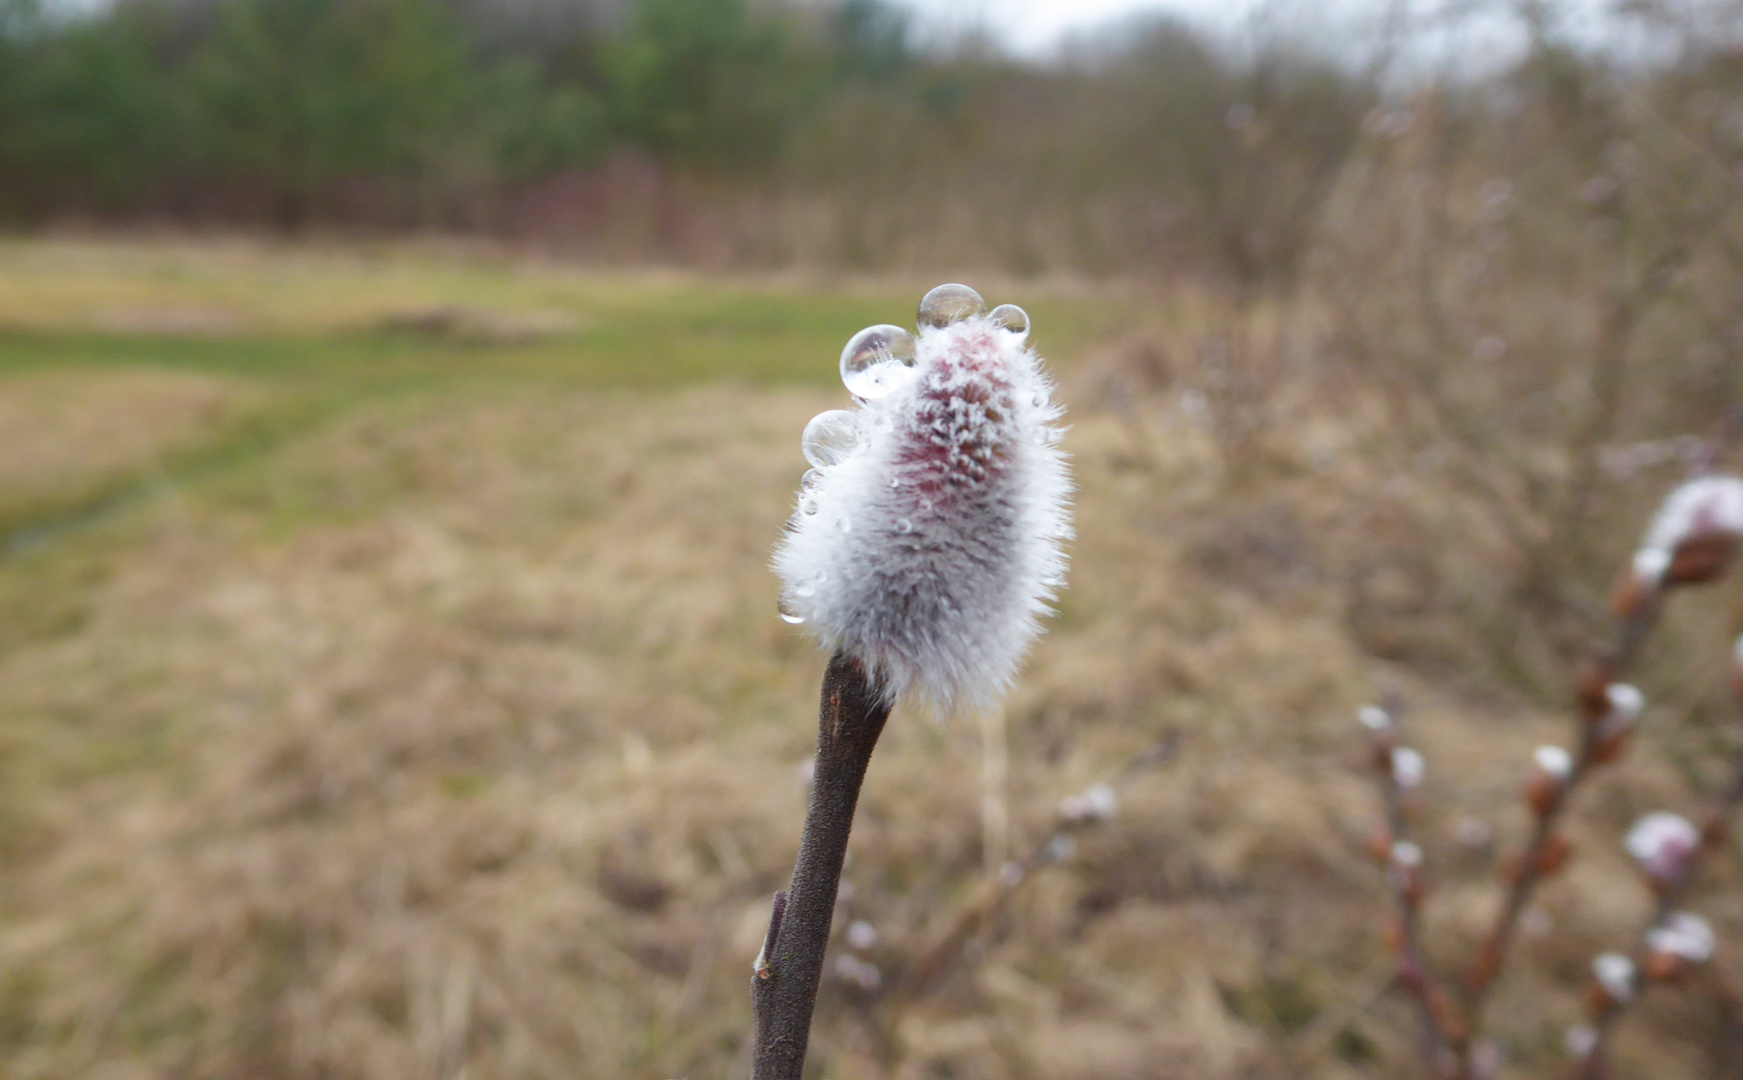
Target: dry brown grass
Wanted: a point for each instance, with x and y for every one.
(458, 738)
(68, 432)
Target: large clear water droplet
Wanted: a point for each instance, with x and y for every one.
(1012, 318)
(950, 304)
(788, 615)
(830, 437)
(877, 360)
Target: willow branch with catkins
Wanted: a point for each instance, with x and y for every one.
(1691, 540)
(1669, 850)
(1398, 771)
(925, 548)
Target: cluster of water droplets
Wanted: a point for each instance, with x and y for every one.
(881, 358)
(875, 362)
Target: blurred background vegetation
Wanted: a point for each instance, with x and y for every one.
(714, 131)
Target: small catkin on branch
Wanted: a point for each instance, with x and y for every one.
(1098, 805)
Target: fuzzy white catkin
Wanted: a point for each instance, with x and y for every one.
(1686, 935)
(1659, 831)
(1704, 505)
(1554, 761)
(931, 551)
(1408, 766)
(1615, 973)
(1374, 718)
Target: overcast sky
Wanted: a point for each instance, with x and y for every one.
(1034, 27)
(1471, 42)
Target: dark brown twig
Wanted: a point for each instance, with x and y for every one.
(1404, 878)
(783, 987)
(1537, 861)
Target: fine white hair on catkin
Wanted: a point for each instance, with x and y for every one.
(932, 549)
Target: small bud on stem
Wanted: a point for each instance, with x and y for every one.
(1663, 843)
(1544, 787)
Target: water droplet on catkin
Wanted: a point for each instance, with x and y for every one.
(877, 360)
(830, 437)
(1011, 319)
(788, 615)
(904, 526)
(950, 304)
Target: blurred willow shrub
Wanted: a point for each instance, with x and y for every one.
(1541, 277)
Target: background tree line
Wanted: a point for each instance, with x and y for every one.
(701, 129)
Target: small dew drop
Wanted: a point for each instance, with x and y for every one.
(830, 437)
(789, 616)
(1012, 319)
(877, 360)
(808, 506)
(904, 526)
(805, 588)
(895, 483)
(950, 304)
(811, 479)
(926, 504)
(1039, 401)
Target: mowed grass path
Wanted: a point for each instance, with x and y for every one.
(292, 338)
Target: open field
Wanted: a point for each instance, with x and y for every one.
(391, 687)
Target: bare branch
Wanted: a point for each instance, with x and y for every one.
(783, 987)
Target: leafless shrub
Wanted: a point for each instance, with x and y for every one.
(1691, 542)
